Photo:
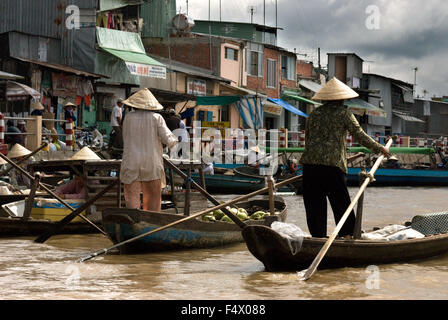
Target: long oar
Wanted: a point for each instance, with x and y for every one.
(307, 274)
(50, 192)
(217, 207)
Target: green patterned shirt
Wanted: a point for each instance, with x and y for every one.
(326, 133)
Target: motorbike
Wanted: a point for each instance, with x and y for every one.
(90, 137)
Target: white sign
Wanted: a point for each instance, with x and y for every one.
(196, 87)
(146, 70)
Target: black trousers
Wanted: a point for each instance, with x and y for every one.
(320, 182)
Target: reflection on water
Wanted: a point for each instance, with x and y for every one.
(50, 270)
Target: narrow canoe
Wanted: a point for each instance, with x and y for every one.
(402, 177)
(123, 224)
(274, 252)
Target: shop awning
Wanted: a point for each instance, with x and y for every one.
(217, 100)
(310, 85)
(9, 76)
(13, 91)
(128, 47)
(407, 117)
(288, 107)
(299, 98)
(361, 107)
(107, 5)
(251, 110)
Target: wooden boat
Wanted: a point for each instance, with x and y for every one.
(402, 177)
(424, 175)
(42, 219)
(124, 224)
(274, 252)
(17, 227)
(230, 184)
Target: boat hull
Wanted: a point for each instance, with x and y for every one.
(17, 227)
(124, 224)
(274, 252)
(402, 177)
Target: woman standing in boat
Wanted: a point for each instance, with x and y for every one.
(324, 160)
(142, 169)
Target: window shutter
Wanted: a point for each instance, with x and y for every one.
(260, 64)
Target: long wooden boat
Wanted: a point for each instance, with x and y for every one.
(43, 219)
(124, 224)
(396, 177)
(274, 252)
(402, 177)
(17, 227)
(229, 184)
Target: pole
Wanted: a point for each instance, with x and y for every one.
(220, 10)
(276, 15)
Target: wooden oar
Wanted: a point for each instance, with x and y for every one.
(307, 274)
(217, 207)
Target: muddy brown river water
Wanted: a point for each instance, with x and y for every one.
(49, 271)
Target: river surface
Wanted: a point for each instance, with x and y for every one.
(50, 271)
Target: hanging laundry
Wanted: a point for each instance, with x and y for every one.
(87, 100)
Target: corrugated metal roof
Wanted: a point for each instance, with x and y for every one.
(42, 17)
(310, 85)
(407, 117)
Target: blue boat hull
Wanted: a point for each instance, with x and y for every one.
(402, 177)
(123, 224)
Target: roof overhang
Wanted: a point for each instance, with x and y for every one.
(62, 68)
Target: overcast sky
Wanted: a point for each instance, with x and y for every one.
(392, 36)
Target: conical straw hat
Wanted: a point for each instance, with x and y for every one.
(2, 162)
(36, 105)
(143, 99)
(335, 90)
(70, 104)
(85, 154)
(18, 151)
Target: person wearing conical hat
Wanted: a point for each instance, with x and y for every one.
(144, 134)
(16, 153)
(69, 113)
(325, 161)
(75, 188)
(38, 109)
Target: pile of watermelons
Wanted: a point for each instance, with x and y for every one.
(242, 214)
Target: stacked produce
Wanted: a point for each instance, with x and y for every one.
(242, 214)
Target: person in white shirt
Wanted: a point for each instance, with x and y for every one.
(116, 124)
(144, 134)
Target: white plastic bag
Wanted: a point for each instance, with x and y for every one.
(393, 233)
(292, 233)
